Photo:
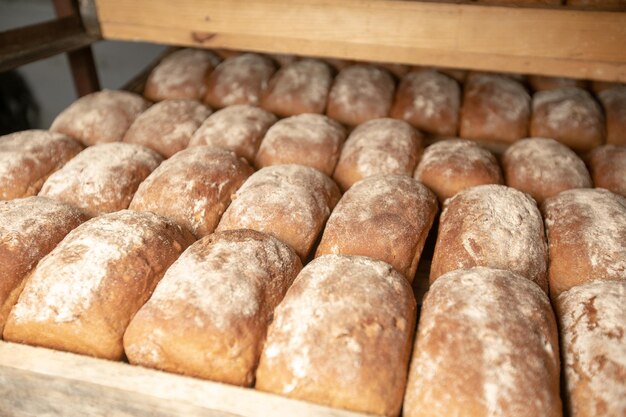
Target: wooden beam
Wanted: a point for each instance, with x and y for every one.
(574, 43)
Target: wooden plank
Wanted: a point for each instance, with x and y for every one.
(42, 382)
(585, 44)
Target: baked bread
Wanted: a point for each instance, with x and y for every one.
(193, 188)
(284, 59)
(608, 168)
(598, 86)
(238, 128)
(167, 126)
(593, 341)
(241, 79)
(100, 117)
(313, 140)
(27, 159)
(542, 82)
(300, 87)
(82, 295)
(30, 228)
(569, 115)
(181, 75)
(492, 226)
(342, 336)
(452, 165)
(289, 202)
(398, 70)
(381, 146)
(495, 108)
(586, 231)
(360, 93)
(384, 217)
(430, 101)
(543, 168)
(614, 102)
(209, 314)
(486, 346)
(102, 178)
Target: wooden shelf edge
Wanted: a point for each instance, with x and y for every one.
(39, 381)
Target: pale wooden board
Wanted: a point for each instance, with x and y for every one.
(583, 44)
(41, 382)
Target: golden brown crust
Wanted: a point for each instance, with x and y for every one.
(27, 159)
(342, 336)
(608, 168)
(209, 314)
(82, 295)
(613, 101)
(193, 188)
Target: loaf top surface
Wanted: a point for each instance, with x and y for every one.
(501, 97)
(569, 106)
(454, 157)
(432, 91)
(314, 129)
(308, 78)
(359, 86)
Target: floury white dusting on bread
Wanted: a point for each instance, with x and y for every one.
(456, 157)
(184, 69)
(358, 87)
(307, 80)
(432, 92)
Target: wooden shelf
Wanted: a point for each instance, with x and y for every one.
(566, 42)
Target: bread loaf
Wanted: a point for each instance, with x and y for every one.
(300, 87)
(308, 139)
(593, 339)
(608, 168)
(613, 100)
(284, 60)
(452, 165)
(492, 226)
(429, 101)
(82, 295)
(167, 126)
(342, 336)
(238, 128)
(360, 93)
(586, 231)
(102, 178)
(30, 228)
(543, 168)
(542, 82)
(193, 188)
(27, 159)
(486, 346)
(569, 115)
(100, 117)
(381, 146)
(384, 217)
(289, 202)
(181, 75)
(209, 314)
(495, 108)
(398, 70)
(239, 80)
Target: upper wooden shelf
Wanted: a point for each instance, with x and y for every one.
(565, 42)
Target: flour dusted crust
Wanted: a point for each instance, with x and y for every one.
(453, 165)
(193, 188)
(313, 140)
(542, 82)
(384, 217)
(300, 87)
(100, 117)
(495, 108)
(381, 146)
(209, 314)
(342, 336)
(593, 341)
(491, 226)
(608, 168)
(238, 128)
(360, 93)
(29, 229)
(102, 178)
(613, 100)
(241, 79)
(430, 101)
(289, 202)
(486, 346)
(167, 126)
(586, 231)
(543, 168)
(569, 115)
(82, 295)
(181, 75)
(27, 159)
